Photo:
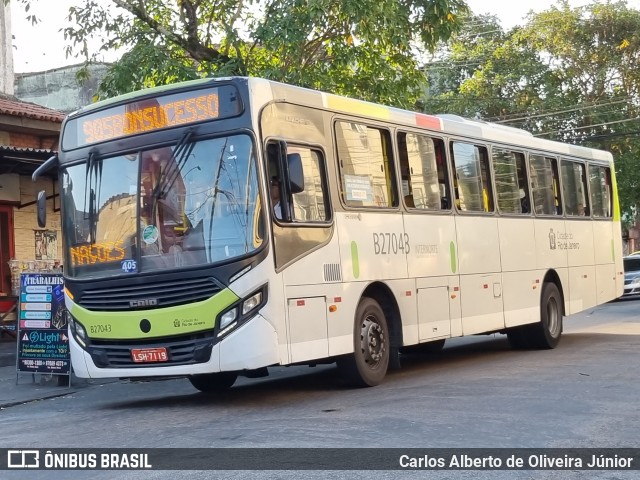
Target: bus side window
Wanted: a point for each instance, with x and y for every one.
(600, 188)
(574, 188)
(423, 171)
(472, 177)
(545, 185)
(365, 161)
(512, 190)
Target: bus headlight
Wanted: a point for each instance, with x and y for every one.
(251, 303)
(78, 331)
(228, 317)
(241, 311)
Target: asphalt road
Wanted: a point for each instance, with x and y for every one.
(476, 393)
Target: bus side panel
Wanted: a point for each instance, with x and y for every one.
(433, 262)
(311, 283)
(480, 277)
(617, 253)
(521, 296)
(517, 244)
(478, 251)
(548, 254)
(579, 244)
(431, 238)
(605, 261)
(372, 246)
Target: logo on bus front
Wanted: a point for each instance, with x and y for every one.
(145, 302)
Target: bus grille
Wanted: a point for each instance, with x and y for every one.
(158, 295)
(195, 349)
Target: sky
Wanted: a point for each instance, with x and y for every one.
(41, 47)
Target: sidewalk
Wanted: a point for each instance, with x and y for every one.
(30, 387)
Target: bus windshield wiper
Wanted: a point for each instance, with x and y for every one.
(93, 173)
(178, 160)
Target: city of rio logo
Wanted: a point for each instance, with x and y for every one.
(552, 239)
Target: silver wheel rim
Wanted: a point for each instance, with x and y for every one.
(372, 341)
(553, 316)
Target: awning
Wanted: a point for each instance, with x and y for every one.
(24, 161)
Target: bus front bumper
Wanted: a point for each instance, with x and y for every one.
(253, 345)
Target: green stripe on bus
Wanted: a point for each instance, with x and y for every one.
(616, 201)
(355, 261)
(452, 257)
(169, 321)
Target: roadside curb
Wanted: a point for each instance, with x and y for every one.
(35, 399)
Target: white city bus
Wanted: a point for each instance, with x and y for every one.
(393, 229)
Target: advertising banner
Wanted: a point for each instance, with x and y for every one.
(43, 344)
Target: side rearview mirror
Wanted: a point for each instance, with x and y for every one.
(41, 203)
(296, 176)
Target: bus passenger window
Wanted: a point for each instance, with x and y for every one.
(367, 176)
(544, 185)
(600, 187)
(423, 172)
(512, 191)
(473, 192)
(574, 189)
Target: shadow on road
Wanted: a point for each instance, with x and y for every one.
(475, 357)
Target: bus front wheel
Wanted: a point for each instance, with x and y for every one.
(368, 364)
(213, 382)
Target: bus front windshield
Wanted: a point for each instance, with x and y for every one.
(191, 204)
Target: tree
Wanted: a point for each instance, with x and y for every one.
(360, 48)
(568, 74)
(483, 72)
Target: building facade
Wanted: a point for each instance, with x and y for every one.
(28, 136)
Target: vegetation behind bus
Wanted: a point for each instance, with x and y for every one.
(538, 77)
(534, 77)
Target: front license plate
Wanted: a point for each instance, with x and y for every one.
(149, 355)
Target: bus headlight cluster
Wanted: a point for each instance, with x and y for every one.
(241, 311)
(78, 331)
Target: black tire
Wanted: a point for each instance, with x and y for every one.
(547, 332)
(213, 382)
(368, 364)
(518, 338)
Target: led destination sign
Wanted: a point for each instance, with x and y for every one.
(150, 114)
(100, 252)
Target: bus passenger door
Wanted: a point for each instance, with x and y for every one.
(308, 336)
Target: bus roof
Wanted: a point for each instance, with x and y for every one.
(450, 124)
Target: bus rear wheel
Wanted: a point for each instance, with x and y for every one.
(546, 333)
(368, 364)
(213, 382)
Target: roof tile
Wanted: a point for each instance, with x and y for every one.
(29, 110)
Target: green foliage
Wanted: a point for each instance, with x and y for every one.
(361, 48)
(568, 74)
